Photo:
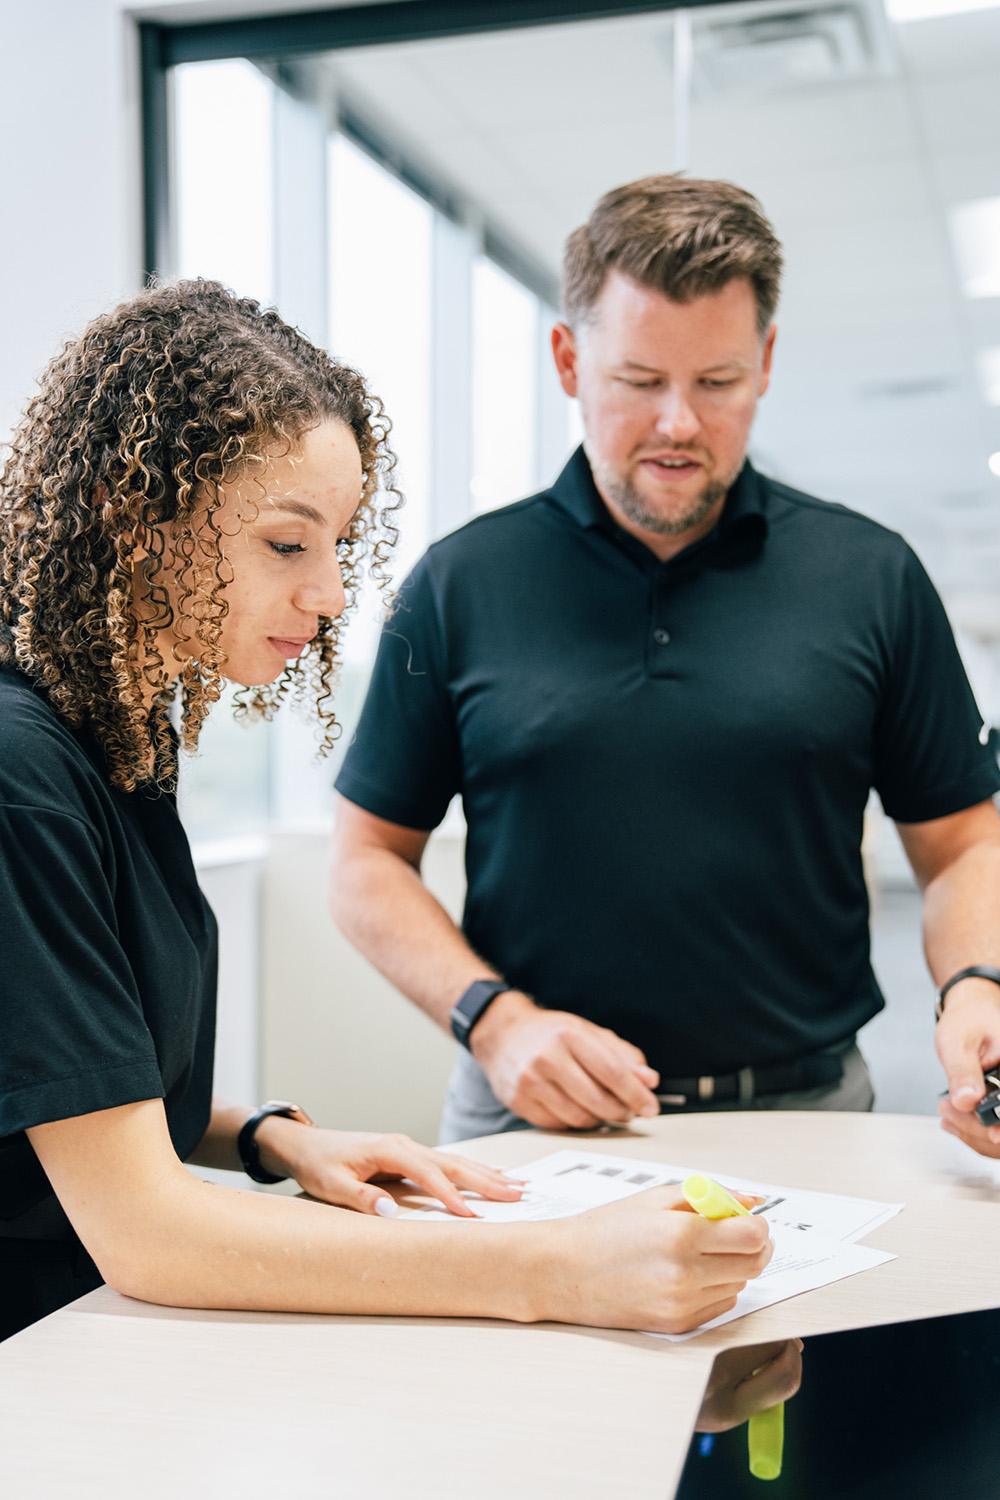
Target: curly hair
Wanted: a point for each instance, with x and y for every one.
(138, 422)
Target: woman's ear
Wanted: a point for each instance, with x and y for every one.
(142, 543)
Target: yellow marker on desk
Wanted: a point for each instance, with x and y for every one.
(765, 1429)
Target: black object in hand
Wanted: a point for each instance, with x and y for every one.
(988, 1108)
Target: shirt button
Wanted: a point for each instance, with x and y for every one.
(661, 637)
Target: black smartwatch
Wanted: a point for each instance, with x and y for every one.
(476, 999)
(246, 1143)
(974, 971)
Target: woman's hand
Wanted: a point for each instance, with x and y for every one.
(748, 1380)
(648, 1262)
(344, 1166)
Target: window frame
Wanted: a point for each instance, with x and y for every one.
(276, 38)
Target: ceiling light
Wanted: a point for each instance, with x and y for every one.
(926, 10)
(994, 463)
(975, 238)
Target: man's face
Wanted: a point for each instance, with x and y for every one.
(667, 394)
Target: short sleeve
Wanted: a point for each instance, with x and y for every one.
(404, 763)
(930, 759)
(74, 1035)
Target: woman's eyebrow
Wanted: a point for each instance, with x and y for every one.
(298, 508)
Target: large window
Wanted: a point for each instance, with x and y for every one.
(224, 113)
(505, 335)
(380, 239)
(453, 345)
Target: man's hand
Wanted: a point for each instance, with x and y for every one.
(967, 1040)
(555, 1069)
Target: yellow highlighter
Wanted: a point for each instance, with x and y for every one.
(765, 1429)
(710, 1199)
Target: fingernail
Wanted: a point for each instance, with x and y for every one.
(967, 1093)
(948, 1128)
(649, 1110)
(386, 1207)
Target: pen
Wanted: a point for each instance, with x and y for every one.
(765, 1429)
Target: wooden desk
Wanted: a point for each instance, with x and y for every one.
(115, 1399)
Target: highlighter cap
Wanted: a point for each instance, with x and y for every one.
(709, 1199)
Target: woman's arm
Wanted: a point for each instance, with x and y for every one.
(158, 1233)
(342, 1166)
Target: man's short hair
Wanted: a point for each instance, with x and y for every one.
(682, 236)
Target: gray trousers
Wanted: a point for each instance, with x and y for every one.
(472, 1108)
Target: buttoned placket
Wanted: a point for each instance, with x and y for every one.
(660, 626)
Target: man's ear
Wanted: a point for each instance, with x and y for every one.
(564, 353)
(765, 369)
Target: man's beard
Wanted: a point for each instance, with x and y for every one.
(620, 491)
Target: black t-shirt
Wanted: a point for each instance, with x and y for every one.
(108, 973)
(665, 766)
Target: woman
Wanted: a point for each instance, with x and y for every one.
(187, 500)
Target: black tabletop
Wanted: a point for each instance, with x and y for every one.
(904, 1410)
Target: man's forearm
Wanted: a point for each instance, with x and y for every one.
(962, 915)
(381, 904)
(552, 1068)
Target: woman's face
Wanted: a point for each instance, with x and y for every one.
(278, 532)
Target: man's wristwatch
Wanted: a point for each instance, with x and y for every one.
(246, 1142)
(975, 971)
(476, 999)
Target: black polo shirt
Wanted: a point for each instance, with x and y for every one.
(665, 766)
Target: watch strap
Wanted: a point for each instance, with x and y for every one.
(246, 1141)
(974, 971)
(464, 1015)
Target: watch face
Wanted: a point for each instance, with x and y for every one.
(286, 1107)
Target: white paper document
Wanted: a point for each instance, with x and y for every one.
(814, 1234)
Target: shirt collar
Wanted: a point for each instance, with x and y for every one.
(740, 534)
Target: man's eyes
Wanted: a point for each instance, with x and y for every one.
(708, 384)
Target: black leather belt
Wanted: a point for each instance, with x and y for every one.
(750, 1083)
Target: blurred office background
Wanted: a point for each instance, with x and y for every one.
(404, 200)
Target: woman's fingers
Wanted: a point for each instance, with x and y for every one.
(443, 1175)
(488, 1182)
(439, 1175)
(369, 1199)
(340, 1164)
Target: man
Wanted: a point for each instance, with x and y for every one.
(664, 689)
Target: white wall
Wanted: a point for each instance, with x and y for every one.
(69, 165)
(336, 1036)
